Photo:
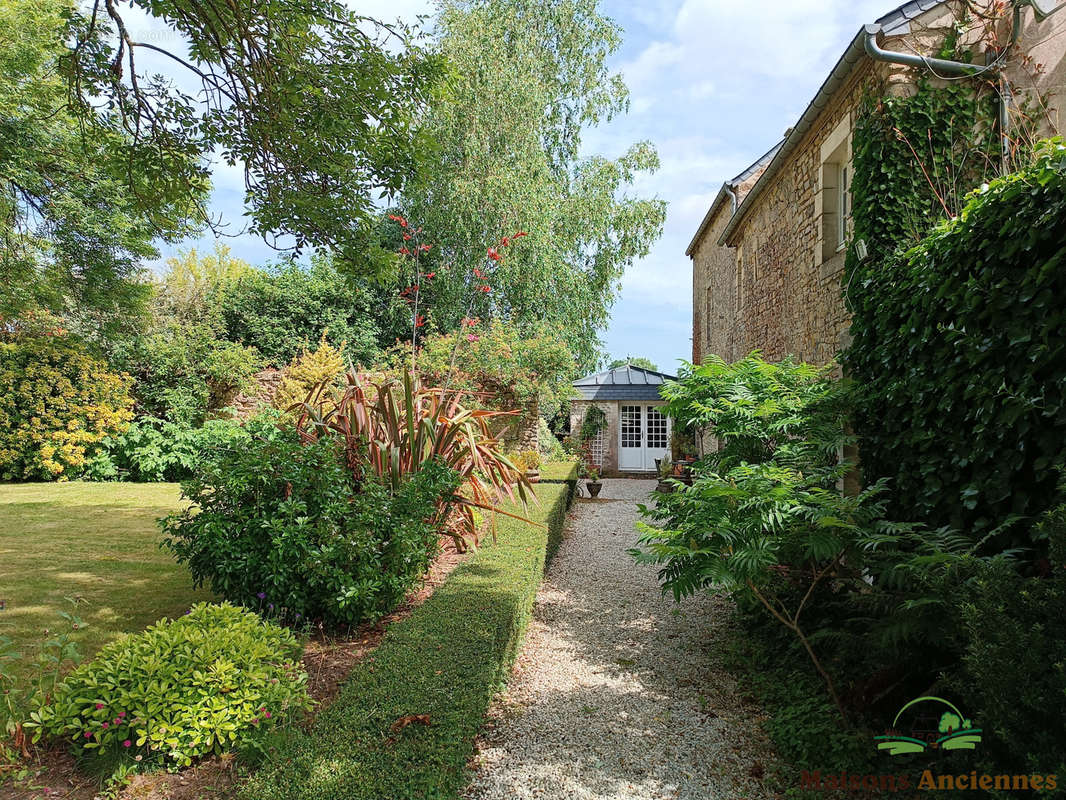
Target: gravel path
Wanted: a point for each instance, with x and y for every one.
(617, 692)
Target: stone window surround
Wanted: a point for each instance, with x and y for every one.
(835, 157)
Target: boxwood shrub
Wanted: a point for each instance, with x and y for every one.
(204, 683)
(284, 527)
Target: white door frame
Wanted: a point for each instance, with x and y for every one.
(637, 455)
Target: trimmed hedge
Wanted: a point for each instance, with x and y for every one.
(447, 660)
(560, 472)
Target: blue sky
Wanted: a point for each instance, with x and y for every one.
(714, 84)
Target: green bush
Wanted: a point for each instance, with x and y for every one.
(764, 514)
(183, 370)
(280, 313)
(156, 450)
(282, 525)
(959, 352)
(57, 403)
(447, 660)
(1014, 662)
(213, 680)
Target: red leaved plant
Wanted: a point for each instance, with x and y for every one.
(393, 426)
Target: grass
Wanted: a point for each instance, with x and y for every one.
(95, 541)
(446, 661)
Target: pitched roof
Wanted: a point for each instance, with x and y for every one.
(724, 193)
(626, 382)
(895, 23)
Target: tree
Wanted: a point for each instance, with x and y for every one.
(639, 361)
(75, 222)
(314, 100)
(101, 156)
(191, 283)
(287, 309)
(526, 77)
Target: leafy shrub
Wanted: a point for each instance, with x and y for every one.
(958, 353)
(184, 371)
(764, 514)
(286, 527)
(280, 313)
(311, 369)
(511, 368)
(1014, 662)
(201, 684)
(547, 443)
(395, 428)
(156, 450)
(57, 403)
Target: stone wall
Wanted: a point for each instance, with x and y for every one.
(789, 299)
(267, 382)
(578, 409)
(777, 287)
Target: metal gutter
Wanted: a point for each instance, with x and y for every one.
(841, 72)
(728, 190)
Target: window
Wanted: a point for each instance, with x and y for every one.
(832, 205)
(631, 425)
(657, 437)
(843, 205)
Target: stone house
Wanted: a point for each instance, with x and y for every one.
(767, 258)
(634, 431)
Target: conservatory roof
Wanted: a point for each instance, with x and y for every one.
(626, 382)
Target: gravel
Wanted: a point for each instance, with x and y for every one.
(618, 692)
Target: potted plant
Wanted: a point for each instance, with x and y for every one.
(591, 473)
(529, 460)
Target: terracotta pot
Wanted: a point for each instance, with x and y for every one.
(533, 475)
(593, 487)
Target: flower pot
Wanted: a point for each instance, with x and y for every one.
(533, 475)
(665, 487)
(593, 487)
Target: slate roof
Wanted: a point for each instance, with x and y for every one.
(723, 194)
(626, 382)
(895, 23)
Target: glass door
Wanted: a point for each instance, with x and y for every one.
(631, 433)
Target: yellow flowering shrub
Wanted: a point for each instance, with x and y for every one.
(57, 403)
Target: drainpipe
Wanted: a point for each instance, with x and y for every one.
(732, 197)
(942, 66)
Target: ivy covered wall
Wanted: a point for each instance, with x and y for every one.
(959, 347)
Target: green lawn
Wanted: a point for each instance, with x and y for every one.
(95, 541)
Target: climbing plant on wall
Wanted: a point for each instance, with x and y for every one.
(959, 355)
(915, 158)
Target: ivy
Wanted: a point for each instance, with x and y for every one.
(959, 350)
(915, 158)
(595, 421)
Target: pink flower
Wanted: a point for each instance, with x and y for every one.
(121, 714)
(118, 721)
(127, 743)
(470, 337)
(86, 734)
(105, 726)
(255, 720)
(99, 706)
(266, 714)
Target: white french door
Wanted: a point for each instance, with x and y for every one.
(644, 433)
